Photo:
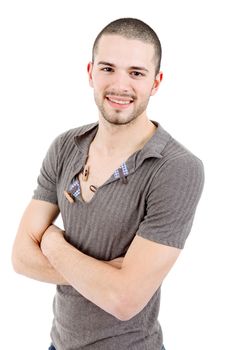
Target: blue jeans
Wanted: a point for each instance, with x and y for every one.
(53, 348)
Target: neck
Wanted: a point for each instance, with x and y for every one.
(114, 140)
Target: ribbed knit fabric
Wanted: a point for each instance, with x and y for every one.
(154, 194)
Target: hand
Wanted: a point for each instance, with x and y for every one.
(52, 235)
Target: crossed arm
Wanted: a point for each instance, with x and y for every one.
(121, 287)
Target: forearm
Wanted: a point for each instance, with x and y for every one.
(97, 281)
(31, 262)
(28, 260)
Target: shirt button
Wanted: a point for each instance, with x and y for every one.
(69, 196)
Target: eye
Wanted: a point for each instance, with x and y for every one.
(107, 69)
(137, 74)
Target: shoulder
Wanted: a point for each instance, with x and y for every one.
(63, 147)
(70, 134)
(179, 166)
(65, 143)
(177, 156)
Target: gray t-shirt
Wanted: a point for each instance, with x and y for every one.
(153, 194)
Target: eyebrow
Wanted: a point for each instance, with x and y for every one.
(113, 65)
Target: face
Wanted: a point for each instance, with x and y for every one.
(123, 78)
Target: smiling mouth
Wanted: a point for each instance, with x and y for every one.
(119, 102)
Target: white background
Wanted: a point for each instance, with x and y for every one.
(45, 47)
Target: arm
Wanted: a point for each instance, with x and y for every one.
(27, 257)
(121, 292)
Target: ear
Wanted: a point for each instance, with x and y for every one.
(89, 72)
(157, 81)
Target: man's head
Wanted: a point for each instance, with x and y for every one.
(132, 28)
(122, 71)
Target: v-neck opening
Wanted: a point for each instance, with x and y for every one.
(75, 186)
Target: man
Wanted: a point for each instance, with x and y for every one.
(127, 192)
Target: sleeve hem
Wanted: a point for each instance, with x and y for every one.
(179, 245)
(44, 198)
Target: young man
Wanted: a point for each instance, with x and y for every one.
(127, 192)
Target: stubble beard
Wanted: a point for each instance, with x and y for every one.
(117, 117)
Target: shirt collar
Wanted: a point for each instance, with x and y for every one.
(153, 147)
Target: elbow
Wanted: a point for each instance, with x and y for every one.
(126, 308)
(123, 316)
(127, 303)
(16, 261)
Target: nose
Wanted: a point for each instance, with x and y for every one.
(121, 81)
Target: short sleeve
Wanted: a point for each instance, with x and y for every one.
(172, 201)
(47, 180)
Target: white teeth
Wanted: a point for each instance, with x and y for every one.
(120, 102)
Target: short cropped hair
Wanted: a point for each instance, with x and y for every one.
(132, 28)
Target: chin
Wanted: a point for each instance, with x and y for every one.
(118, 120)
